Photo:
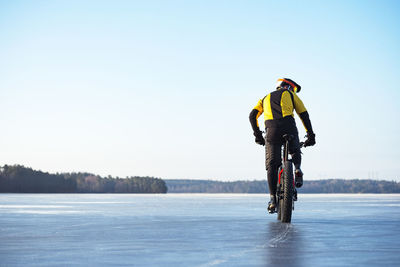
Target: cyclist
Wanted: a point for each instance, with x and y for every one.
(278, 109)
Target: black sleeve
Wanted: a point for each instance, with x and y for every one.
(253, 120)
(305, 118)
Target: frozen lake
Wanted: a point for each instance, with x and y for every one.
(197, 230)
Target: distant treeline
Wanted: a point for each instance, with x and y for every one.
(310, 186)
(19, 179)
(208, 186)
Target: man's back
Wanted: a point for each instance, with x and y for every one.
(279, 104)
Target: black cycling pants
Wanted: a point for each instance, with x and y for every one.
(273, 146)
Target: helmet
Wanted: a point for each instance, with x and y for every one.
(288, 84)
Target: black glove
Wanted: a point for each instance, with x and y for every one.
(310, 139)
(259, 138)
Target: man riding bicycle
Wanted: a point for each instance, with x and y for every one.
(278, 109)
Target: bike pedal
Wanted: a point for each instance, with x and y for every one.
(271, 211)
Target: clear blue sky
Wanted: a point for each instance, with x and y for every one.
(164, 88)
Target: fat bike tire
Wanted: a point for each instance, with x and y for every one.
(286, 203)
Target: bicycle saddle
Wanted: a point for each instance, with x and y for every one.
(287, 137)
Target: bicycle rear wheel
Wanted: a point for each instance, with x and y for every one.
(286, 203)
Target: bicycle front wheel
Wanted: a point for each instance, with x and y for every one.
(288, 187)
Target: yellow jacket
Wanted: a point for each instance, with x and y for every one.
(278, 105)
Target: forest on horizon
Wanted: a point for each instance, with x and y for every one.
(20, 179)
(327, 186)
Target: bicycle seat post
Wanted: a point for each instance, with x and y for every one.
(287, 138)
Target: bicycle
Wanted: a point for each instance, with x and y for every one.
(286, 193)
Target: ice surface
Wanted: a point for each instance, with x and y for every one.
(196, 230)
